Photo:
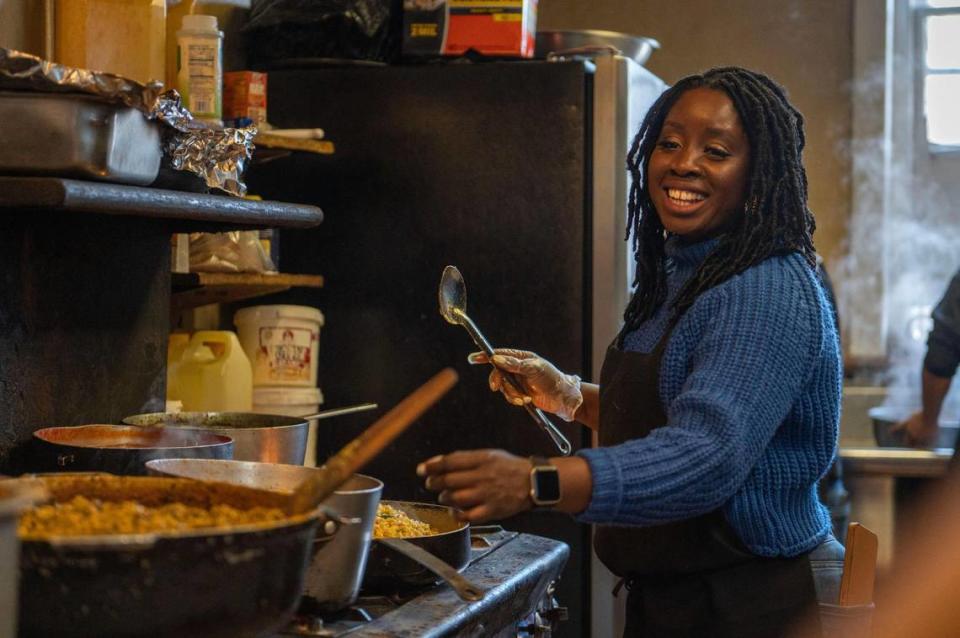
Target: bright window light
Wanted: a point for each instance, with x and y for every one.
(943, 42)
(942, 93)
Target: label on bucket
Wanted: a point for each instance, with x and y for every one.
(284, 353)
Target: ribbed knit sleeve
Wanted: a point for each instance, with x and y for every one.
(734, 368)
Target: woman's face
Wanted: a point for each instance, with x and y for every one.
(698, 170)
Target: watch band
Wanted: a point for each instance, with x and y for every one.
(544, 482)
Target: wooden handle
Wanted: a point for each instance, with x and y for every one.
(342, 465)
(859, 566)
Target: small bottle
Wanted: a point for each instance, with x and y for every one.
(200, 66)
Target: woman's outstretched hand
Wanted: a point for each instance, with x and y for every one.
(541, 382)
(485, 484)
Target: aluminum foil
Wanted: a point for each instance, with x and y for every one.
(218, 155)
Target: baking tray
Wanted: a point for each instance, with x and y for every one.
(76, 136)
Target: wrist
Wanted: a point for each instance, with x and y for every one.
(573, 398)
(576, 483)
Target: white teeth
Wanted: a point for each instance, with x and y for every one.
(684, 196)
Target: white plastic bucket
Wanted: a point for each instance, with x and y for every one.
(282, 343)
(292, 402)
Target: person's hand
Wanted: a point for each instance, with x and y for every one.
(542, 383)
(485, 484)
(918, 431)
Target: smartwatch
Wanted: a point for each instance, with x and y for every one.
(544, 482)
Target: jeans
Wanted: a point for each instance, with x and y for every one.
(826, 562)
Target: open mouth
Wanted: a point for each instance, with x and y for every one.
(684, 199)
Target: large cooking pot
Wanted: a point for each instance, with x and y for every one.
(590, 42)
(885, 417)
(392, 565)
(15, 496)
(267, 438)
(119, 449)
(336, 567)
(234, 582)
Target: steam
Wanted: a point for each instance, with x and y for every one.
(903, 248)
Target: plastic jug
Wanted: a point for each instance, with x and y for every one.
(214, 374)
(176, 346)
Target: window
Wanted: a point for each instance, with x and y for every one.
(939, 64)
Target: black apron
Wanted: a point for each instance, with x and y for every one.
(694, 577)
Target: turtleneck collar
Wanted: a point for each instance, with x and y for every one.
(688, 256)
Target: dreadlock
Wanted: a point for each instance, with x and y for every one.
(775, 219)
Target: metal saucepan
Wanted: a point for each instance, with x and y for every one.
(269, 438)
(885, 417)
(418, 561)
(593, 42)
(336, 567)
(120, 449)
(243, 581)
(392, 564)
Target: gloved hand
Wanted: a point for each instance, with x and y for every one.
(541, 383)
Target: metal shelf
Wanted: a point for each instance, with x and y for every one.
(20, 194)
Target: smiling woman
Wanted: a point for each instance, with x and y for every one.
(699, 168)
(718, 405)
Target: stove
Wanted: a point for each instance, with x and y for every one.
(499, 560)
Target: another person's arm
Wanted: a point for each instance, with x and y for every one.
(939, 367)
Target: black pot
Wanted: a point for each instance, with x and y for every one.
(121, 449)
(389, 571)
(240, 582)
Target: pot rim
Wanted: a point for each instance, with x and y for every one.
(214, 439)
(180, 420)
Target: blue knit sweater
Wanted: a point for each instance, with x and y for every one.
(750, 383)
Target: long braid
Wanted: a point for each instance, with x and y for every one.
(775, 220)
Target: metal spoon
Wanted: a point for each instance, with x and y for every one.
(453, 307)
(326, 414)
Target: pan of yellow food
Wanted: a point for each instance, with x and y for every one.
(113, 555)
(418, 544)
(413, 544)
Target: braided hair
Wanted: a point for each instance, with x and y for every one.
(775, 219)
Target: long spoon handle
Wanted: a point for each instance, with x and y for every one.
(562, 443)
(371, 442)
(326, 414)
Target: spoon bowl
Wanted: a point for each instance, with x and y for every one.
(453, 295)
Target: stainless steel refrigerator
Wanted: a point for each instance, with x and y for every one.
(512, 171)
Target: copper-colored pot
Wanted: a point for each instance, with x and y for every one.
(121, 449)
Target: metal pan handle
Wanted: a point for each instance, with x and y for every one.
(460, 584)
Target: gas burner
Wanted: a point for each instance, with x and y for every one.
(329, 626)
(311, 620)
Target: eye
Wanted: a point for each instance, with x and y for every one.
(717, 152)
(668, 145)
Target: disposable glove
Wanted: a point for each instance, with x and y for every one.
(541, 382)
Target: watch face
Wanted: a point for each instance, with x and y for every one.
(547, 485)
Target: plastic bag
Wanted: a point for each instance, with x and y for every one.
(339, 29)
(236, 251)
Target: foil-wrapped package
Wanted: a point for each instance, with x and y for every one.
(218, 155)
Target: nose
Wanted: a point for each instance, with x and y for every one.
(685, 162)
